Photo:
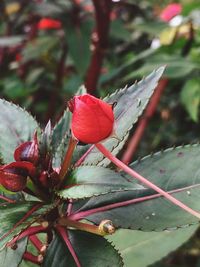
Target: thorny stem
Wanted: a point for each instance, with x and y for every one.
(83, 214)
(99, 42)
(67, 159)
(65, 237)
(65, 221)
(143, 180)
(150, 110)
(32, 258)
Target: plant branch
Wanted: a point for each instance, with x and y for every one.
(32, 258)
(150, 110)
(64, 235)
(143, 180)
(67, 159)
(83, 214)
(65, 221)
(99, 42)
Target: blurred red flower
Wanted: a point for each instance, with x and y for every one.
(47, 24)
(170, 11)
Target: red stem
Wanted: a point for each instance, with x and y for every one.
(99, 42)
(36, 242)
(28, 232)
(80, 161)
(143, 180)
(22, 220)
(65, 237)
(32, 258)
(83, 214)
(150, 110)
(7, 199)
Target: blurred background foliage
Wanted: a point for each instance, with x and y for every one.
(46, 50)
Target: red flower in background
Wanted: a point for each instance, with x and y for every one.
(92, 119)
(170, 11)
(47, 24)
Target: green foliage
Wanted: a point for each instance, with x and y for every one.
(131, 102)
(139, 248)
(91, 250)
(190, 97)
(16, 127)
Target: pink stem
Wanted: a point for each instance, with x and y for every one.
(80, 161)
(36, 242)
(28, 232)
(32, 258)
(7, 199)
(69, 207)
(143, 180)
(65, 237)
(84, 214)
(32, 210)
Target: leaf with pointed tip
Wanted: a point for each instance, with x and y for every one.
(46, 139)
(91, 250)
(131, 102)
(138, 248)
(176, 171)
(13, 257)
(15, 217)
(61, 129)
(17, 126)
(87, 181)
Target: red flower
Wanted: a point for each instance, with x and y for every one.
(13, 176)
(170, 11)
(92, 119)
(47, 24)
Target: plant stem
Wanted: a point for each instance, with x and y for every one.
(99, 42)
(83, 214)
(65, 237)
(7, 199)
(67, 159)
(150, 110)
(36, 242)
(28, 232)
(65, 221)
(143, 180)
(32, 258)
(79, 162)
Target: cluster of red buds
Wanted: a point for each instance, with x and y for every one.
(28, 164)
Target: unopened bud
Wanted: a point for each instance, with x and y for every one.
(106, 227)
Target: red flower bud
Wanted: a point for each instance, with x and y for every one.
(92, 119)
(47, 24)
(170, 11)
(13, 176)
(28, 151)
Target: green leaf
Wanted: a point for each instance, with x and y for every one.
(13, 257)
(15, 217)
(78, 40)
(131, 102)
(138, 248)
(91, 250)
(176, 170)
(89, 181)
(17, 126)
(61, 129)
(190, 97)
(11, 40)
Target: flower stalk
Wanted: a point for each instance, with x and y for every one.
(143, 180)
(67, 160)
